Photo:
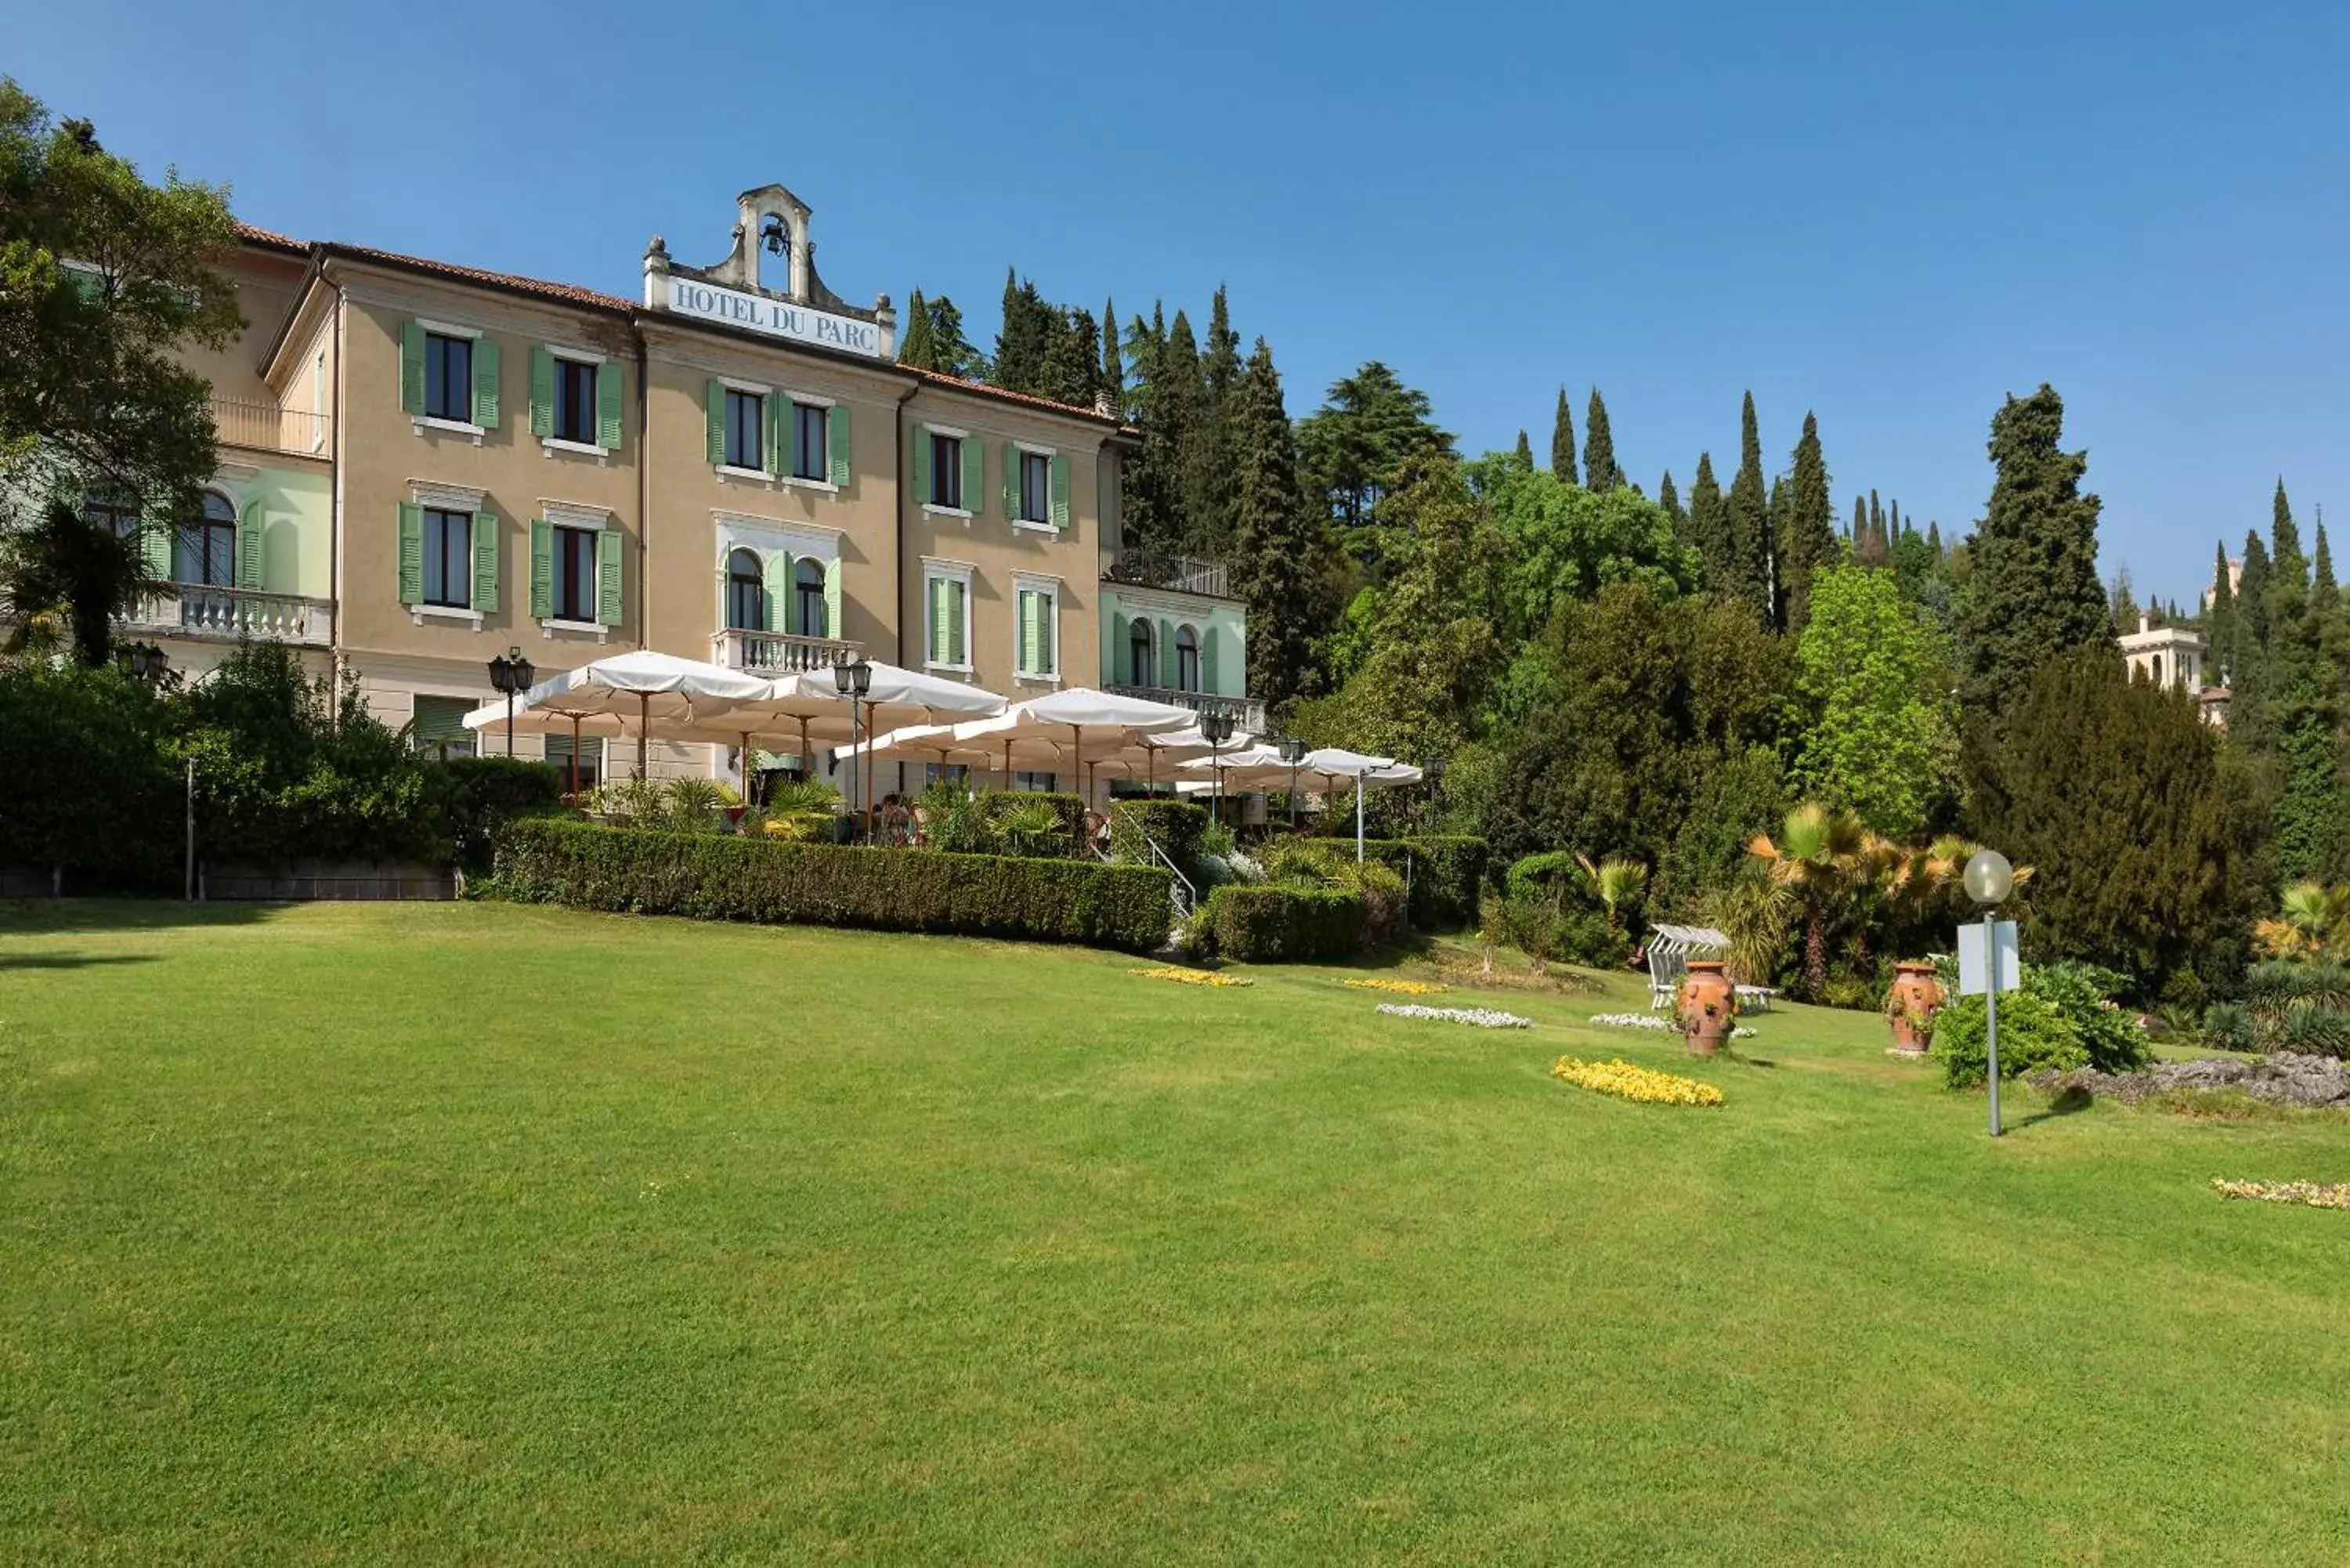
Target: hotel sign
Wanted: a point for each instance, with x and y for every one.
(773, 318)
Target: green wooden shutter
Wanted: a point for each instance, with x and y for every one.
(1048, 634)
(248, 545)
(1011, 483)
(485, 384)
(542, 392)
(1207, 657)
(1168, 663)
(1121, 638)
(542, 569)
(783, 453)
(835, 440)
(411, 368)
(713, 418)
(974, 478)
(412, 554)
(485, 561)
(921, 465)
(831, 598)
(958, 618)
(607, 576)
(1060, 490)
(155, 541)
(611, 395)
(778, 571)
(938, 650)
(1025, 656)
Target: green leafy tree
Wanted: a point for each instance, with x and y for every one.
(2033, 591)
(1280, 541)
(1525, 451)
(1562, 441)
(1371, 436)
(1749, 578)
(106, 281)
(1569, 541)
(1874, 680)
(2113, 790)
(1807, 541)
(1817, 859)
(1599, 470)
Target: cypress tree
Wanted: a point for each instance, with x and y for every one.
(1154, 501)
(1525, 452)
(1280, 542)
(1209, 455)
(1562, 441)
(916, 347)
(1670, 499)
(2220, 620)
(1709, 529)
(1934, 539)
(1806, 531)
(1181, 405)
(1750, 522)
(1020, 340)
(1072, 359)
(1857, 535)
(1600, 470)
(1113, 371)
(2032, 589)
(2248, 664)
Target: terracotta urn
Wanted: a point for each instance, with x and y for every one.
(1706, 1007)
(1915, 997)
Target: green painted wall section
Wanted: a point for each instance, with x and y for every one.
(1226, 624)
(298, 539)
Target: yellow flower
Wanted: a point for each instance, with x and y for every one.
(2317, 1195)
(1189, 976)
(1643, 1084)
(1402, 987)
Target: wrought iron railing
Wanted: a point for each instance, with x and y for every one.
(1247, 713)
(780, 653)
(223, 614)
(1153, 569)
(269, 427)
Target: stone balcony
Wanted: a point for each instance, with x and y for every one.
(773, 653)
(1181, 573)
(1248, 713)
(266, 427)
(208, 613)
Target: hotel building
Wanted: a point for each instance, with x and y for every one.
(423, 464)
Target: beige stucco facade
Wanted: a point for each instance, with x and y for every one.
(411, 546)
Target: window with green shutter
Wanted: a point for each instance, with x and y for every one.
(958, 622)
(485, 384)
(831, 600)
(777, 574)
(542, 393)
(439, 726)
(921, 462)
(612, 390)
(542, 569)
(1027, 629)
(950, 613)
(486, 562)
(714, 418)
(1060, 481)
(248, 545)
(836, 431)
(938, 593)
(1207, 640)
(412, 555)
(607, 577)
(411, 368)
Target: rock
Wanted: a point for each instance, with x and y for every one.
(2285, 1078)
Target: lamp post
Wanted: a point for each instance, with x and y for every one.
(1293, 751)
(1989, 880)
(512, 675)
(1216, 725)
(854, 679)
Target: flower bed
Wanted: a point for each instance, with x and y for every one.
(1654, 1021)
(1401, 987)
(2315, 1194)
(1644, 1084)
(1482, 1017)
(1190, 976)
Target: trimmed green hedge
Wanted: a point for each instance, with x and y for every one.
(1444, 871)
(1174, 825)
(1070, 808)
(1268, 924)
(474, 796)
(716, 877)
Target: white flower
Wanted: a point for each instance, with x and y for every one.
(1631, 1020)
(1482, 1017)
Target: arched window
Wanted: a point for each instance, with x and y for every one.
(746, 593)
(808, 584)
(205, 553)
(1187, 660)
(1144, 668)
(2155, 665)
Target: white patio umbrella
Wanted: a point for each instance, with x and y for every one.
(1113, 720)
(646, 686)
(813, 701)
(1336, 762)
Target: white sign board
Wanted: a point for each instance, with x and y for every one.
(1971, 974)
(774, 317)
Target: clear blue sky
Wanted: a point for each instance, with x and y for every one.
(1890, 214)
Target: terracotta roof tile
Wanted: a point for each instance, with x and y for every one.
(940, 378)
(563, 293)
(253, 234)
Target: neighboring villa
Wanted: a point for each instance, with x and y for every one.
(423, 463)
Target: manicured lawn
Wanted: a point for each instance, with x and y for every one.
(475, 1233)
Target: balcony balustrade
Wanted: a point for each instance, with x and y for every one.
(773, 653)
(1153, 569)
(269, 428)
(1248, 713)
(223, 614)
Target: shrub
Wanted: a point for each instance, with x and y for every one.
(1176, 826)
(474, 796)
(2061, 1018)
(1444, 873)
(716, 877)
(1269, 923)
(1034, 824)
(88, 785)
(2227, 1026)
(1323, 863)
(2317, 1031)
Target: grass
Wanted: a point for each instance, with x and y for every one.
(475, 1233)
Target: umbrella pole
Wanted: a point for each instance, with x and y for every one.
(574, 759)
(1358, 819)
(806, 771)
(865, 764)
(1007, 764)
(746, 769)
(644, 723)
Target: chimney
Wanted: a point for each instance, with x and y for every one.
(2144, 622)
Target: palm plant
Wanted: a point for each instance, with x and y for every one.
(798, 813)
(2314, 920)
(1615, 881)
(1819, 853)
(65, 565)
(693, 804)
(1031, 827)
